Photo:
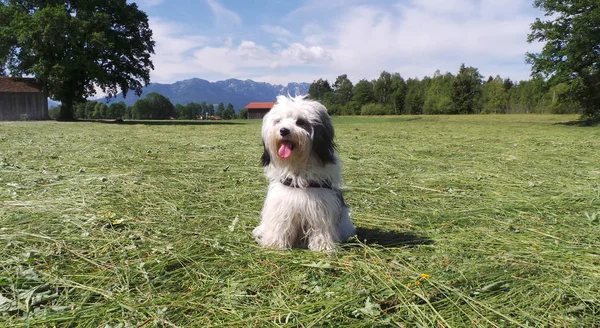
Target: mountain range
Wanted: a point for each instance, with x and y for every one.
(237, 92)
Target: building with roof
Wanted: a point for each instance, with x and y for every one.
(22, 98)
(257, 110)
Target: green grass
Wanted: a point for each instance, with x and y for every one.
(463, 221)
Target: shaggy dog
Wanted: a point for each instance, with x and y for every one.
(304, 206)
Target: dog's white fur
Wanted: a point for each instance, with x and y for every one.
(299, 215)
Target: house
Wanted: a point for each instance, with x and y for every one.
(22, 98)
(257, 110)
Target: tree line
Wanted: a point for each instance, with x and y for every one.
(466, 92)
(152, 107)
(51, 40)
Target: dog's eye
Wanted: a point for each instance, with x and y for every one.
(301, 122)
(277, 121)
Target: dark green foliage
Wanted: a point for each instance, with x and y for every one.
(375, 109)
(220, 109)
(571, 53)
(363, 93)
(398, 93)
(73, 46)
(466, 90)
(243, 114)
(438, 97)
(526, 96)
(342, 90)
(382, 88)
(319, 90)
(117, 110)
(494, 96)
(153, 106)
(210, 109)
(229, 112)
(415, 96)
(100, 110)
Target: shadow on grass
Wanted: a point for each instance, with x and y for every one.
(390, 238)
(581, 123)
(165, 122)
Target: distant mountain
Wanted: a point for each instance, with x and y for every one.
(237, 92)
(52, 103)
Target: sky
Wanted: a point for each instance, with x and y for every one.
(281, 41)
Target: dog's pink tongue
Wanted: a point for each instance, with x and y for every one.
(285, 150)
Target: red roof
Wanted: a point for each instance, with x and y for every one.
(18, 84)
(260, 105)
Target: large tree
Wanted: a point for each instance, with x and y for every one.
(73, 46)
(153, 107)
(362, 93)
(229, 112)
(398, 93)
(466, 90)
(438, 94)
(382, 88)
(571, 53)
(320, 90)
(342, 90)
(494, 96)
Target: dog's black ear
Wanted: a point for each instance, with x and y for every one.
(265, 159)
(323, 144)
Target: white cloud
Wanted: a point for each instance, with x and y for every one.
(417, 37)
(414, 38)
(276, 30)
(223, 16)
(298, 53)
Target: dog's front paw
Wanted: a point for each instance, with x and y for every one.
(321, 243)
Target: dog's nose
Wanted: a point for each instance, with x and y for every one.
(284, 132)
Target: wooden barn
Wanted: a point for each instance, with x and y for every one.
(257, 110)
(22, 98)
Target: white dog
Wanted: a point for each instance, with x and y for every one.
(304, 206)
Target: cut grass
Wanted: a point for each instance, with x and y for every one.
(463, 221)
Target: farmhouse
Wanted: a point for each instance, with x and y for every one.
(257, 110)
(22, 98)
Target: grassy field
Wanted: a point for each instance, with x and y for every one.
(488, 221)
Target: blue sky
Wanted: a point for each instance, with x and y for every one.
(280, 41)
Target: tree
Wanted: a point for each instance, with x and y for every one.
(117, 110)
(210, 109)
(527, 95)
(571, 53)
(80, 111)
(342, 90)
(89, 109)
(7, 41)
(243, 113)
(494, 96)
(415, 96)
(100, 110)
(229, 112)
(154, 107)
(161, 106)
(180, 112)
(194, 110)
(466, 90)
(319, 90)
(398, 93)
(220, 109)
(72, 46)
(382, 88)
(363, 93)
(438, 94)
(141, 109)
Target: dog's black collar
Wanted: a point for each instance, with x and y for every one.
(311, 184)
